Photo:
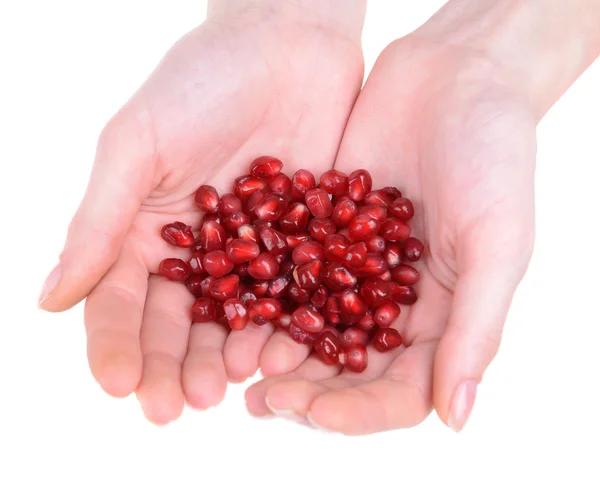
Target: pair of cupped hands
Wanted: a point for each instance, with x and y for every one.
(438, 120)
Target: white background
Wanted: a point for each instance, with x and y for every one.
(66, 67)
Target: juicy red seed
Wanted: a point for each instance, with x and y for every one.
(264, 310)
(240, 251)
(302, 181)
(294, 240)
(378, 213)
(194, 285)
(248, 298)
(353, 336)
(307, 319)
(320, 229)
(297, 294)
(233, 221)
(205, 285)
(394, 230)
(375, 291)
(319, 203)
(355, 358)
(225, 288)
(217, 264)
(379, 198)
(367, 323)
(283, 321)
(287, 267)
(204, 310)
(229, 203)
(244, 186)
(271, 207)
(282, 184)
(308, 251)
(392, 255)
(278, 287)
(236, 314)
(344, 211)
(207, 198)
(352, 307)
(413, 249)
(212, 236)
(241, 270)
(282, 257)
(356, 256)
(327, 348)
(255, 198)
(174, 269)
(259, 224)
(385, 276)
(391, 191)
(195, 263)
(402, 208)
(376, 244)
(336, 247)
(338, 278)
(310, 275)
(178, 234)
(331, 311)
(320, 297)
(301, 336)
(334, 182)
(385, 314)
(363, 227)
(405, 275)
(374, 266)
(210, 217)
(265, 266)
(274, 241)
(405, 295)
(360, 184)
(248, 232)
(344, 232)
(386, 339)
(266, 167)
(295, 219)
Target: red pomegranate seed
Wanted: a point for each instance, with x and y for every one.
(194, 285)
(307, 319)
(248, 232)
(331, 311)
(413, 249)
(294, 240)
(360, 184)
(301, 336)
(391, 191)
(353, 308)
(374, 266)
(405, 275)
(392, 255)
(217, 264)
(205, 285)
(240, 251)
(274, 241)
(302, 181)
(297, 294)
(405, 295)
(254, 200)
(344, 211)
(367, 323)
(282, 184)
(327, 348)
(271, 207)
(212, 236)
(265, 266)
(385, 276)
(305, 252)
(336, 247)
(174, 270)
(385, 314)
(378, 213)
(278, 286)
(295, 219)
(225, 288)
(376, 244)
(338, 278)
(320, 297)
(266, 167)
(195, 263)
(229, 203)
(287, 267)
(402, 208)
(355, 358)
(233, 221)
(264, 310)
(353, 336)
(259, 224)
(244, 186)
(334, 182)
(248, 298)
(204, 310)
(310, 275)
(394, 230)
(320, 229)
(236, 314)
(210, 217)
(386, 339)
(363, 227)
(318, 203)
(178, 234)
(207, 198)
(375, 291)
(283, 321)
(379, 198)
(356, 256)
(241, 270)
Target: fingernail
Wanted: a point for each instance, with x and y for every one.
(317, 426)
(50, 284)
(286, 413)
(462, 404)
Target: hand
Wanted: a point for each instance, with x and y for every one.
(256, 78)
(447, 127)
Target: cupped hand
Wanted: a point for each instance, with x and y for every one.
(246, 83)
(448, 127)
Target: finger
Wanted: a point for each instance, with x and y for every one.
(204, 374)
(281, 354)
(164, 340)
(113, 317)
(116, 188)
(242, 350)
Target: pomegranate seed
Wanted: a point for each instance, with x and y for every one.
(295, 219)
(308, 251)
(248, 298)
(413, 249)
(405, 275)
(334, 182)
(391, 191)
(320, 229)
(310, 275)
(297, 294)
(318, 203)
(375, 291)
(405, 295)
(344, 212)
(367, 323)
(210, 217)
(241, 270)
(271, 207)
(385, 276)
(174, 270)
(386, 339)
(217, 264)
(244, 186)
(274, 241)
(248, 232)
(386, 313)
(331, 311)
(254, 200)
(212, 236)
(301, 336)
(283, 321)
(207, 198)
(278, 286)
(374, 266)
(327, 348)
(259, 224)
(344, 232)
(264, 310)
(240, 251)
(336, 247)
(376, 244)
(266, 167)
(225, 288)
(302, 181)
(195, 263)
(205, 285)
(363, 227)
(379, 198)
(178, 234)
(265, 266)
(338, 278)
(356, 256)
(320, 297)
(236, 314)
(360, 184)
(308, 320)
(294, 240)
(204, 310)
(287, 267)
(352, 307)
(282, 184)
(378, 213)
(194, 285)
(355, 358)
(402, 208)
(229, 203)
(353, 336)
(392, 255)
(233, 221)
(395, 230)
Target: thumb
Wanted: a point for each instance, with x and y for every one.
(121, 178)
(488, 275)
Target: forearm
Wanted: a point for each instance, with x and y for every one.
(544, 44)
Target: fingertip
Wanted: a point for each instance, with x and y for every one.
(279, 357)
(204, 384)
(161, 400)
(118, 375)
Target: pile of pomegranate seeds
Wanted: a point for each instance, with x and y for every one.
(324, 261)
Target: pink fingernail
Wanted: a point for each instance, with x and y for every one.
(50, 284)
(462, 404)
